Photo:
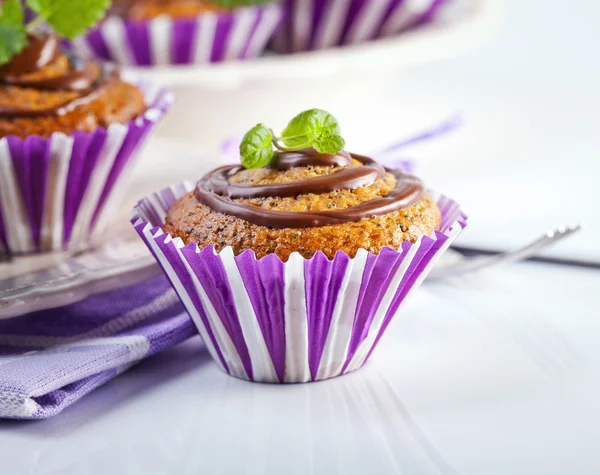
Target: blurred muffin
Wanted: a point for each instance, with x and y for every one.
(64, 94)
(395, 208)
(69, 132)
(315, 24)
(167, 32)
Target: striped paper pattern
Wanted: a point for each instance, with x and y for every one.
(299, 321)
(57, 193)
(318, 24)
(210, 37)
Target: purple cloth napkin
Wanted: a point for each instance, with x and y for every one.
(52, 358)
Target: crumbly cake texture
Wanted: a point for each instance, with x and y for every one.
(194, 222)
(149, 9)
(117, 101)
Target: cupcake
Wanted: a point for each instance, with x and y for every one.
(69, 132)
(318, 24)
(166, 32)
(293, 263)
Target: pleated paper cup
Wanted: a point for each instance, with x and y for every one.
(210, 37)
(318, 24)
(296, 321)
(59, 193)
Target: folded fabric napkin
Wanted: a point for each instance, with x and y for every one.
(52, 358)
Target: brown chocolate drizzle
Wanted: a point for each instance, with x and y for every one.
(216, 191)
(88, 79)
(310, 158)
(40, 52)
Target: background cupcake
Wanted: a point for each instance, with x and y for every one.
(293, 267)
(164, 32)
(69, 130)
(317, 24)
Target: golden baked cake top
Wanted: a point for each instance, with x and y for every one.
(296, 198)
(45, 90)
(142, 10)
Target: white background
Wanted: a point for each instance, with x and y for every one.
(527, 157)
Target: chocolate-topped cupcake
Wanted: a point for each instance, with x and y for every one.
(69, 132)
(44, 90)
(167, 32)
(293, 264)
(305, 202)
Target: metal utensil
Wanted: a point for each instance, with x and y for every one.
(462, 265)
(123, 263)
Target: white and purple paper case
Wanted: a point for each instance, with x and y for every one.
(210, 37)
(318, 24)
(60, 192)
(296, 321)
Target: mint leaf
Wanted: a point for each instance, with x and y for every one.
(324, 132)
(314, 128)
(13, 37)
(294, 135)
(330, 145)
(256, 149)
(70, 18)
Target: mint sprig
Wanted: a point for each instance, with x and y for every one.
(256, 149)
(68, 19)
(13, 36)
(314, 128)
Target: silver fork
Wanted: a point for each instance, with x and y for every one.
(472, 264)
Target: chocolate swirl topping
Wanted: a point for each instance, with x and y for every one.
(86, 78)
(216, 191)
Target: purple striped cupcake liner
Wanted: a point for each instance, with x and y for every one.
(318, 24)
(296, 321)
(59, 193)
(210, 37)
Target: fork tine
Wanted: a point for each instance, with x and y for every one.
(470, 264)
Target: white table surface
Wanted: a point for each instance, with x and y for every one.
(495, 373)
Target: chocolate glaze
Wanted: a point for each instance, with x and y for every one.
(216, 191)
(38, 53)
(345, 179)
(88, 79)
(79, 80)
(309, 158)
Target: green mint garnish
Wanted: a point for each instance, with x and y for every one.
(13, 36)
(256, 149)
(314, 128)
(70, 18)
